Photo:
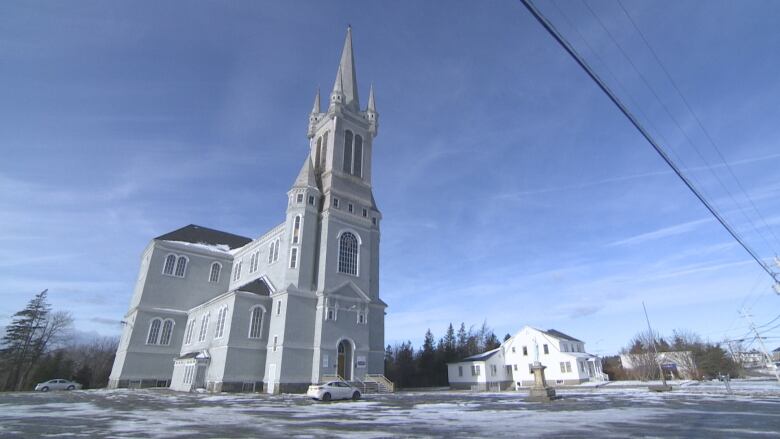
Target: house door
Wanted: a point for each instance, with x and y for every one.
(345, 360)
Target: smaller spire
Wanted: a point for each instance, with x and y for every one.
(338, 85)
(316, 107)
(371, 103)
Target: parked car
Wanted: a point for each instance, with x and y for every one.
(333, 390)
(57, 384)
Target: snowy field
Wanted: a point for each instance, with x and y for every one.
(691, 410)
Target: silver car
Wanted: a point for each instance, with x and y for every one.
(57, 384)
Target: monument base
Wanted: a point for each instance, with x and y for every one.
(540, 392)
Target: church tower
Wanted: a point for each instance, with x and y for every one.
(329, 314)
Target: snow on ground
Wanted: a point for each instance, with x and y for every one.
(691, 410)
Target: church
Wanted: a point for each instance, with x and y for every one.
(295, 306)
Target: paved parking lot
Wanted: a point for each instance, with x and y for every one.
(703, 410)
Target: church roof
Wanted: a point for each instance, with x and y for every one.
(257, 286)
(481, 357)
(203, 235)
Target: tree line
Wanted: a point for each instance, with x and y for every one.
(427, 366)
(37, 346)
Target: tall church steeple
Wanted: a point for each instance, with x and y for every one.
(346, 78)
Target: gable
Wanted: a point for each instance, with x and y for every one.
(350, 291)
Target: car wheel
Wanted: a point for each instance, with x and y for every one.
(326, 397)
(44, 389)
(356, 396)
(71, 387)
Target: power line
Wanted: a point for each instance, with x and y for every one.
(676, 122)
(698, 121)
(603, 86)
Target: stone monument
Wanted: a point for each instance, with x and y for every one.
(539, 392)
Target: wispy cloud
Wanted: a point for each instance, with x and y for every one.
(664, 232)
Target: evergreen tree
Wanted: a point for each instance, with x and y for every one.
(507, 337)
(31, 333)
(462, 341)
(425, 362)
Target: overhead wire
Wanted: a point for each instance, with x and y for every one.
(634, 121)
(698, 120)
(675, 121)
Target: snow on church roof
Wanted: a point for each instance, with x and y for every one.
(212, 238)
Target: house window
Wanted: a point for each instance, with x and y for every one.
(216, 267)
(170, 262)
(276, 251)
(357, 167)
(351, 208)
(256, 322)
(154, 331)
(460, 371)
(190, 327)
(237, 272)
(348, 254)
(221, 317)
(525, 351)
(513, 349)
(373, 220)
(276, 339)
(181, 266)
(336, 203)
(563, 367)
(311, 200)
(568, 366)
(546, 350)
(278, 307)
(475, 370)
(296, 229)
(165, 337)
(565, 347)
(493, 370)
(299, 198)
(347, 168)
(204, 326)
(365, 212)
(293, 257)
(515, 366)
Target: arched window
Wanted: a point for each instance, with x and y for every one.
(347, 152)
(165, 337)
(170, 262)
(348, 254)
(216, 267)
(293, 257)
(276, 250)
(221, 317)
(271, 253)
(204, 326)
(154, 331)
(323, 157)
(237, 272)
(256, 322)
(181, 266)
(190, 327)
(296, 229)
(319, 152)
(357, 168)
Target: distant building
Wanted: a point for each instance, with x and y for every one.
(776, 355)
(510, 364)
(679, 363)
(750, 360)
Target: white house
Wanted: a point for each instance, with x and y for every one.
(510, 364)
(296, 305)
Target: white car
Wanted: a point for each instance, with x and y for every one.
(58, 384)
(333, 390)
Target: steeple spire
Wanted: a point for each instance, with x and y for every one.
(371, 103)
(316, 107)
(346, 78)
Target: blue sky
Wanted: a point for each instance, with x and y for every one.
(512, 190)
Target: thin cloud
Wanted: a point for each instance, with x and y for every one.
(665, 232)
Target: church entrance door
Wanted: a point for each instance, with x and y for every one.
(345, 360)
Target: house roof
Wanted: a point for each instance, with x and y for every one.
(203, 235)
(561, 335)
(776, 350)
(481, 357)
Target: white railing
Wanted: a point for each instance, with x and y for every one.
(381, 381)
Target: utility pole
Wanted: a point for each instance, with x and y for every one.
(663, 387)
(770, 363)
